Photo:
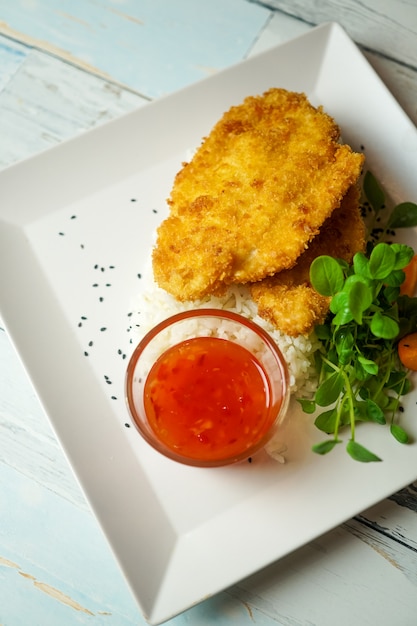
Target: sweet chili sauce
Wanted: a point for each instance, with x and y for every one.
(208, 398)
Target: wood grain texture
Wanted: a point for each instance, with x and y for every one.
(12, 55)
(400, 79)
(384, 26)
(49, 101)
(351, 575)
(157, 45)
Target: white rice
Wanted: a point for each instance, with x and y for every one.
(153, 305)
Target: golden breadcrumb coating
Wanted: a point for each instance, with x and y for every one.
(254, 195)
(287, 299)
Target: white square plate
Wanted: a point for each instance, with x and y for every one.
(76, 231)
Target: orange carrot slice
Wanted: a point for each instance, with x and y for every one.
(407, 351)
(408, 287)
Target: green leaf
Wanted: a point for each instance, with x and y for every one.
(325, 446)
(361, 412)
(376, 414)
(369, 411)
(369, 366)
(403, 254)
(360, 297)
(339, 305)
(399, 433)
(404, 215)
(391, 293)
(383, 326)
(381, 261)
(329, 390)
(359, 453)
(396, 379)
(326, 275)
(308, 406)
(373, 191)
(326, 421)
(361, 265)
(344, 340)
(395, 278)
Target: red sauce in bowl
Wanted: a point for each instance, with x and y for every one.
(208, 398)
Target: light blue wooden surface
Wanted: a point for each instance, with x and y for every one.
(55, 565)
(32, 589)
(12, 56)
(157, 46)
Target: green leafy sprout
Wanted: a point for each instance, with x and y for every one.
(360, 376)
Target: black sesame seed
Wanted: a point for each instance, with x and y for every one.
(101, 299)
(85, 353)
(133, 200)
(111, 267)
(103, 328)
(96, 267)
(114, 397)
(90, 343)
(119, 351)
(127, 425)
(73, 217)
(82, 246)
(139, 275)
(79, 324)
(108, 382)
(95, 284)
(108, 284)
(250, 460)
(154, 211)
(83, 317)
(61, 234)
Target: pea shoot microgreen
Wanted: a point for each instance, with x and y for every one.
(360, 377)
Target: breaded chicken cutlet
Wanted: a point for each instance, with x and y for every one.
(253, 196)
(288, 300)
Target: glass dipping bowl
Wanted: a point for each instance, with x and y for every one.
(215, 420)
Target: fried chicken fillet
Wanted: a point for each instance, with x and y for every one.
(288, 300)
(253, 196)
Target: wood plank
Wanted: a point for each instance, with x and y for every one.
(12, 56)
(350, 575)
(157, 46)
(382, 25)
(49, 101)
(57, 568)
(395, 517)
(28, 444)
(400, 79)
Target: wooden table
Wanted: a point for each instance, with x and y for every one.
(64, 68)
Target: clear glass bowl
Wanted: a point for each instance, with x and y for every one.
(215, 397)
